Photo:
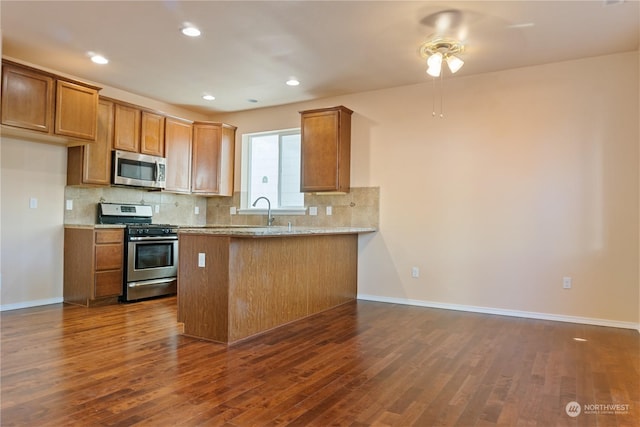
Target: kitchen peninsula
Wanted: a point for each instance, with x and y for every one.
(236, 282)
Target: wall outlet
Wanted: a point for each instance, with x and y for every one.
(33, 203)
(329, 210)
(566, 282)
(233, 210)
(196, 210)
(415, 272)
(313, 210)
(157, 208)
(201, 257)
(68, 204)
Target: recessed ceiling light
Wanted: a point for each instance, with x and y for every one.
(208, 97)
(190, 30)
(293, 82)
(98, 59)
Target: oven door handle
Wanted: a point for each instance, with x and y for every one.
(151, 238)
(151, 282)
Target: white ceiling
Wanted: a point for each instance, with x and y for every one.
(248, 49)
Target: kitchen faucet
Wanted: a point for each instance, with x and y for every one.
(269, 217)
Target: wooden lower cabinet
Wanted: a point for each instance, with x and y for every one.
(93, 265)
(251, 285)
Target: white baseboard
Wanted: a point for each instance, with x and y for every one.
(503, 312)
(27, 304)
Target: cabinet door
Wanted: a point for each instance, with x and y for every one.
(126, 132)
(152, 134)
(27, 99)
(178, 154)
(76, 110)
(96, 168)
(206, 158)
(325, 150)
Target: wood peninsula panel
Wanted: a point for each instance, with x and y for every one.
(268, 282)
(203, 291)
(335, 271)
(253, 284)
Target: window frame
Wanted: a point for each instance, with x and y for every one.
(245, 181)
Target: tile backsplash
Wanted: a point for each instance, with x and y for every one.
(358, 208)
(172, 208)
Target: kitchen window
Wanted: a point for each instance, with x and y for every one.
(271, 168)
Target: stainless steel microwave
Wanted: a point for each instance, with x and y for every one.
(139, 170)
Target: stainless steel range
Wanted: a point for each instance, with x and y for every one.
(151, 251)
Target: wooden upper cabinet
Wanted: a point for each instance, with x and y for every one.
(138, 130)
(152, 134)
(177, 140)
(35, 100)
(27, 98)
(126, 130)
(90, 164)
(325, 149)
(213, 159)
(76, 110)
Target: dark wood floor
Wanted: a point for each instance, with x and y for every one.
(360, 364)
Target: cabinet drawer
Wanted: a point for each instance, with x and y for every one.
(109, 236)
(108, 283)
(109, 257)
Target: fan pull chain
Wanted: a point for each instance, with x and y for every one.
(441, 95)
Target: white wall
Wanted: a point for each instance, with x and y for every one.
(532, 176)
(31, 239)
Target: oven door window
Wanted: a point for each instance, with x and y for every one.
(153, 255)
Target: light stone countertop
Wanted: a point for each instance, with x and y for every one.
(94, 226)
(273, 231)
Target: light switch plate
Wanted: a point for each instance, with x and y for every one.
(197, 210)
(33, 203)
(329, 210)
(69, 204)
(313, 210)
(233, 210)
(201, 258)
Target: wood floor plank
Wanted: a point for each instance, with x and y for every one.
(359, 364)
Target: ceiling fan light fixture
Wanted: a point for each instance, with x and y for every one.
(434, 70)
(438, 49)
(454, 63)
